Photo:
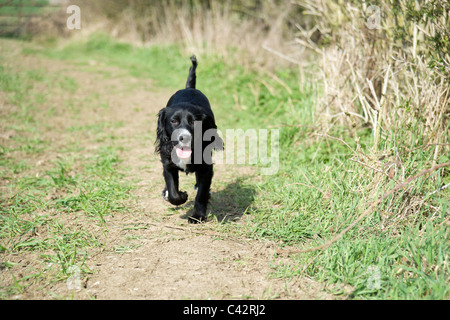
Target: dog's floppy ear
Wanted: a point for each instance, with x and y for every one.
(161, 134)
(208, 124)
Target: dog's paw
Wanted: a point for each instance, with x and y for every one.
(165, 195)
(180, 199)
(183, 196)
(196, 219)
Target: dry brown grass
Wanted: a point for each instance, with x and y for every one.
(388, 79)
(235, 30)
(375, 77)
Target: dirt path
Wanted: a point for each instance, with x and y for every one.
(163, 256)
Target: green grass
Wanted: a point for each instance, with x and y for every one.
(29, 219)
(28, 7)
(14, 14)
(54, 211)
(400, 251)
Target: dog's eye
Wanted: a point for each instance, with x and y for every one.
(174, 121)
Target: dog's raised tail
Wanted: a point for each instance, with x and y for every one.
(192, 76)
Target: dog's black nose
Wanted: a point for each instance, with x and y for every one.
(184, 138)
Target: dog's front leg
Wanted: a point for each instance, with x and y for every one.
(201, 200)
(171, 192)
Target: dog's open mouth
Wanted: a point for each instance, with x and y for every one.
(183, 152)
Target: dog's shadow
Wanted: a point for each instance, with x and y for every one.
(229, 203)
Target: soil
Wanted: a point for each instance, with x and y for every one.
(163, 256)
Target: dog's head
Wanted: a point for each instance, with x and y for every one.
(181, 129)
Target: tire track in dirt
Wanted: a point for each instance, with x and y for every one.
(164, 256)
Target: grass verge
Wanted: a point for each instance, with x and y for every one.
(55, 192)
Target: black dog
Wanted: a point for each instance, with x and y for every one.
(185, 137)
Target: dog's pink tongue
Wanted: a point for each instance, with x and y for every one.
(183, 153)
